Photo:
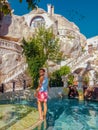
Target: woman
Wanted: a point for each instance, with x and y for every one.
(42, 94)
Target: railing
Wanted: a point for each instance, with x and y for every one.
(75, 63)
(16, 69)
(82, 62)
(10, 45)
(14, 86)
(10, 63)
(15, 72)
(7, 51)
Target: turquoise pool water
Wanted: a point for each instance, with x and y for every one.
(70, 114)
(66, 114)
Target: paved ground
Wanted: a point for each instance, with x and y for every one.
(27, 123)
(18, 117)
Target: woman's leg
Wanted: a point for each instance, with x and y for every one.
(40, 110)
(45, 109)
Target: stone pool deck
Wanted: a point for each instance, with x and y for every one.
(10, 121)
(31, 120)
(28, 94)
(27, 123)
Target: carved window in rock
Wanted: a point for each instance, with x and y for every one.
(37, 22)
(62, 32)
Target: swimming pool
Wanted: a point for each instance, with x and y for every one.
(71, 114)
(63, 114)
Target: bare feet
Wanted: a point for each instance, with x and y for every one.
(41, 118)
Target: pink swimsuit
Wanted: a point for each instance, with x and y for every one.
(42, 96)
(43, 93)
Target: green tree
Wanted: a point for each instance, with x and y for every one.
(43, 46)
(49, 43)
(34, 58)
(31, 3)
(64, 70)
(70, 79)
(5, 7)
(56, 78)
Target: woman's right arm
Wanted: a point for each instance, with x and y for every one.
(40, 83)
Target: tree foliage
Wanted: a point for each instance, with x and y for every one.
(64, 70)
(43, 46)
(34, 58)
(49, 43)
(31, 3)
(56, 78)
(70, 79)
(5, 7)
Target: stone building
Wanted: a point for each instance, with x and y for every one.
(13, 28)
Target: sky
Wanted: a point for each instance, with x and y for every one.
(84, 13)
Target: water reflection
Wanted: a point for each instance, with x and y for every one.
(71, 115)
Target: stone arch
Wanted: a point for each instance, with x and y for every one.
(37, 21)
(78, 70)
(86, 73)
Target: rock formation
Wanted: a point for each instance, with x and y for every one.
(13, 28)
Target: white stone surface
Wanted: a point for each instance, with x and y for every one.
(71, 41)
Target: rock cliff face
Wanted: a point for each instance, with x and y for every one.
(12, 63)
(71, 40)
(92, 47)
(16, 27)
